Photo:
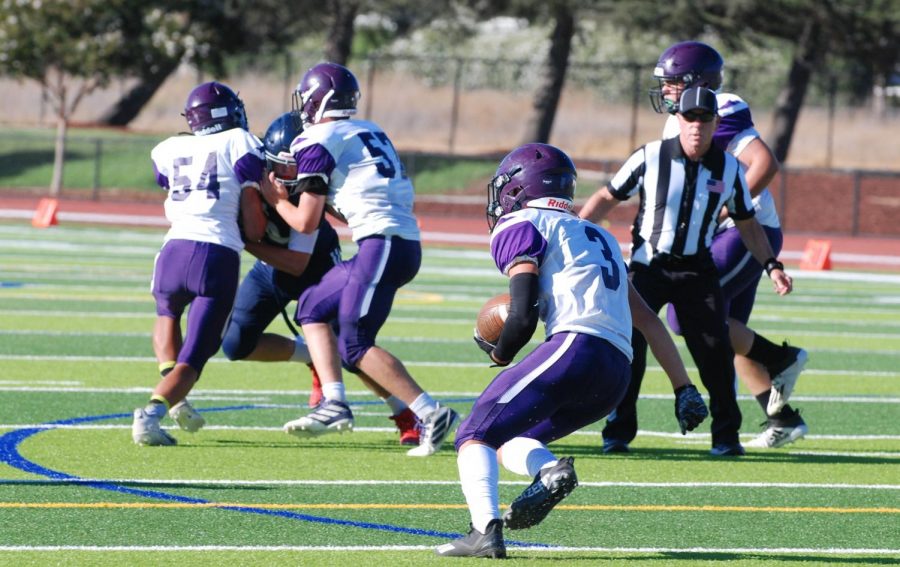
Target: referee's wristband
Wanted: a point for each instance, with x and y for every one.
(772, 264)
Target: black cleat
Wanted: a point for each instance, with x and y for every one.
(476, 544)
(550, 486)
(727, 450)
(615, 446)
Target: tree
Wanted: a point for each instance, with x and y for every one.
(71, 48)
(339, 41)
(553, 75)
(209, 32)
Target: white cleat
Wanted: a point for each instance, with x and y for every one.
(329, 417)
(145, 429)
(187, 417)
(435, 429)
(784, 381)
(780, 432)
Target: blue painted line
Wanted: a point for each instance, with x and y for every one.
(9, 454)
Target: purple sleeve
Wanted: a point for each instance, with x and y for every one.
(518, 240)
(248, 168)
(161, 179)
(314, 160)
(730, 126)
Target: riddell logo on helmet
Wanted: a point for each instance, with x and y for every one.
(551, 203)
(209, 130)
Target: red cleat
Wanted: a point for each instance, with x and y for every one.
(408, 424)
(315, 396)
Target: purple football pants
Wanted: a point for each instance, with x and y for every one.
(205, 276)
(568, 382)
(360, 292)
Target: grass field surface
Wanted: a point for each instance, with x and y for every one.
(75, 322)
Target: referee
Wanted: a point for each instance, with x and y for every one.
(683, 183)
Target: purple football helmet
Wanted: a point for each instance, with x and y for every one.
(327, 90)
(213, 107)
(686, 64)
(530, 172)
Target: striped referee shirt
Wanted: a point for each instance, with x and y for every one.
(680, 199)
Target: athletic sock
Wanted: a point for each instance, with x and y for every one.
(526, 456)
(301, 351)
(763, 399)
(478, 478)
(334, 391)
(395, 403)
(765, 351)
(423, 406)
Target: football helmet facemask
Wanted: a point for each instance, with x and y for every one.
(540, 175)
(327, 90)
(684, 65)
(277, 143)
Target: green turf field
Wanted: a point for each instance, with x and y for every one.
(75, 322)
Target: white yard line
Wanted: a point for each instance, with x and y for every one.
(837, 551)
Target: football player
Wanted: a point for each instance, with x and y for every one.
(350, 167)
(212, 178)
(289, 262)
(768, 370)
(569, 273)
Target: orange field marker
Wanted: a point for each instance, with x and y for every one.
(45, 214)
(817, 255)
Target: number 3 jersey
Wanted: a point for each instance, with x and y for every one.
(583, 281)
(204, 176)
(366, 181)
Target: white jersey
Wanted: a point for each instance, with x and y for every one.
(367, 183)
(204, 176)
(734, 133)
(583, 281)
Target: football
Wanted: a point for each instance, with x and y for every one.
(492, 317)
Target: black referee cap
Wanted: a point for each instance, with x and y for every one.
(698, 98)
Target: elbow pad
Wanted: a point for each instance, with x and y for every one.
(522, 319)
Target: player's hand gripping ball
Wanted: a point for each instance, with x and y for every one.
(492, 317)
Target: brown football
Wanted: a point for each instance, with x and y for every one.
(492, 317)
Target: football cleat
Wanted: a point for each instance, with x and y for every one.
(187, 417)
(408, 424)
(615, 446)
(315, 395)
(435, 429)
(727, 450)
(784, 378)
(330, 416)
(477, 544)
(781, 430)
(550, 486)
(145, 429)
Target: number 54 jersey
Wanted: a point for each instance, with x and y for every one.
(204, 176)
(583, 281)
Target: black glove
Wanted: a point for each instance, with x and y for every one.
(690, 410)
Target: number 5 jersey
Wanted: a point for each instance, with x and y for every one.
(367, 183)
(204, 176)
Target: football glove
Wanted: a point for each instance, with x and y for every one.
(483, 344)
(690, 410)
(488, 348)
